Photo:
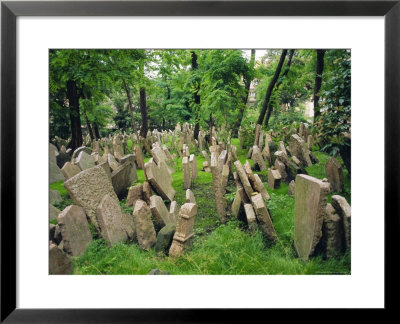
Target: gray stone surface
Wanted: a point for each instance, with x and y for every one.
(164, 238)
(264, 219)
(160, 180)
(114, 165)
(55, 173)
(243, 178)
(258, 159)
(190, 197)
(84, 161)
(187, 180)
(333, 232)
(120, 179)
(159, 211)
(274, 179)
(134, 193)
(292, 188)
(334, 172)
(88, 188)
(69, 170)
(74, 230)
(260, 188)
(174, 211)
(310, 203)
(298, 149)
(193, 166)
(54, 197)
(251, 218)
(79, 150)
(146, 234)
(59, 262)
(53, 212)
(343, 208)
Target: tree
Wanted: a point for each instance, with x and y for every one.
(248, 78)
(318, 82)
(271, 87)
(196, 97)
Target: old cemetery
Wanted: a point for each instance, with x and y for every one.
(187, 207)
(193, 194)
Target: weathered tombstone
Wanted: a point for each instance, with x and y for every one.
(84, 161)
(206, 157)
(249, 172)
(237, 202)
(53, 212)
(217, 185)
(272, 147)
(147, 192)
(158, 155)
(310, 203)
(120, 179)
(282, 147)
(164, 238)
(333, 232)
(88, 188)
(111, 221)
(251, 218)
(55, 173)
(343, 208)
(59, 262)
(190, 197)
(79, 150)
(174, 211)
(298, 148)
(243, 179)
(139, 157)
(112, 162)
(259, 187)
(184, 229)
(279, 166)
(264, 219)
(54, 197)
(282, 157)
(274, 179)
(193, 166)
(160, 180)
(187, 181)
(146, 234)
(310, 142)
(74, 230)
(292, 188)
(159, 211)
(206, 167)
(134, 193)
(257, 134)
(334, 172)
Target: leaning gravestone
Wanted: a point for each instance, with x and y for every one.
(54, 197)
(333, 232)
(298, 148)
(120, 179)
(334, 172)
(79, 150)
(112, 223)
(134, 193)
(88, 188)
(251, 218)
(146, 234)
(187, 181)
(55, 173)
(310, 203)
(164, 238)
(74, 230)
(84, 161)
(258, 158)
(159, 211)
(69, 170)
(53, 212)
(343, 208)
(264, 219)
(160, 180)
(59, 262)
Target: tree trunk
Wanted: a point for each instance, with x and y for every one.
(345, 153)
(247, 83)
(96, 130)
(130, 105)
(89, 127)
(143, 110)
(284, 74)
(210, 124)
(74, 114)
(196, 98)
(318, 82)
(271, 86)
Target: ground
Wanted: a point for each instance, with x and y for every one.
(217, 248)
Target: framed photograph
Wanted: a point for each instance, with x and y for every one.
(172, 53)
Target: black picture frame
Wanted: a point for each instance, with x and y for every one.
(10, 10)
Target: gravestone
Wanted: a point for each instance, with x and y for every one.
(147, 192)
(79, 150)
(164, 238)
(343, 208)
(216, 169)
(134, 193)
(237, 202)
(174, 211)
(258, 159)
(120, 179)
(184, 229)
(292, 188)
(190, 197)
(53, 212)
(88, 188)
(251, 218)
(193, 166)
(260, 188)
(274, 179)
(187, 181)
(54, 197)
(310, 203)
(333, 232)
(160, 180)
(158, 155)
(298, 149)
(281, 168)
(74, 230)
(264, 219)
(59, 262)
(240, 189)
(146, 234)
(55, 173)
(112, 162)
(159, 211)
(112, 223)
(243, 178)
(84, 161)
(334, 172)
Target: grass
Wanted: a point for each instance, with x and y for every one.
(218, 248)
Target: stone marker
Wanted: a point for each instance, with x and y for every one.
(249, 172)
(174, 211)
(260, 188)
(79, 150)
(74, 230)
(111, 221)
(274, 179)
(298, 148)
(158, 155)
(84, 161)
(282, 157)
(159, 211)
(160, 180)
(69, 170)
(187, 181)
(264, 219)
(240, 189)
(272, 147)
(193, 166)
(343, 208)
(88, 188)
(54, 197)
(147, 192)
(333, 232)
(53, 212)
(292, 188)
(206, 167)
(334, 172)
(281, 168)
(120, 179)
(164, 238)
(59, 262)
(55, 173)
(184, 229)
(237, 202)
(216, 169)
(243, 178)
(251, 218)
(114, 165)
(146, 234)
(310, 203)
(134, 193)
(139, 157)
(309, 142)
(258, 159)
(190, 197)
